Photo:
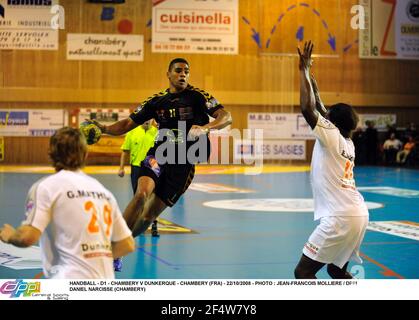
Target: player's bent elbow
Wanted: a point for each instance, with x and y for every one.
(123, 247)
(130, 245)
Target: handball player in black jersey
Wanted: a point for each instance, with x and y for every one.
(182, 113)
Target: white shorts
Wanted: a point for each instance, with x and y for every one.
(337, 240)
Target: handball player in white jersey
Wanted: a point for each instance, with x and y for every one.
(340, 207)
(78, 220)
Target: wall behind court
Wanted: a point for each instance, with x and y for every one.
(260, 78)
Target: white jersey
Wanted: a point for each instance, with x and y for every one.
(82, 217)
(332, 177)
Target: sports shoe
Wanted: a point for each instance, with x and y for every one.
(154, 230)
(117, 264)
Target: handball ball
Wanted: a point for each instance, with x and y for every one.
(91, 132)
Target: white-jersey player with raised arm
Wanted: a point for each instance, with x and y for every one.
(338, 205)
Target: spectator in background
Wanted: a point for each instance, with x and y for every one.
(403, 154)
(391, 128)
(371, 143)
(391, 148)
(410, 132)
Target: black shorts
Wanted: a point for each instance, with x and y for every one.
(135, 175)
(172, 180)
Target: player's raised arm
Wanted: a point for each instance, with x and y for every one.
(307, 98)
(319, 103)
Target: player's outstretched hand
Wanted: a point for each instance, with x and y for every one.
(305, 58)
(96, 123)
(6, 232)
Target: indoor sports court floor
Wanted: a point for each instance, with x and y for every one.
(223, 229)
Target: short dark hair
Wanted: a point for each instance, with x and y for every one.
(177, 60)
(67, 149)
(344, 117)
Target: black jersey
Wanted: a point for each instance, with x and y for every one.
(176, 113)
